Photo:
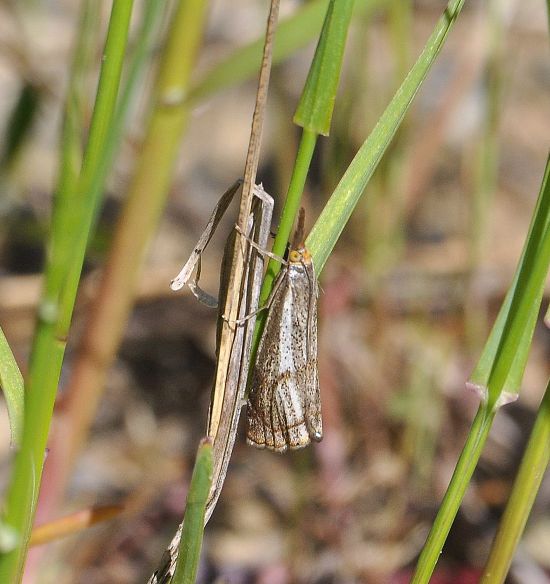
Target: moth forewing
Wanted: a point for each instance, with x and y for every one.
(284, 409)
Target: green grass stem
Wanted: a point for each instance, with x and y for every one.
(193, 522)
(513, 338)
(526, 485)
(56, 306)
(502, 362)
(341, 204)
(453, 497)
(290, 209)
(139, 218)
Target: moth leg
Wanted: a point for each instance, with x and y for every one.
(244, 319)
(221, 206)
(269, 301)
(263, 252)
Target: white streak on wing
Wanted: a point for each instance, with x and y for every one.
(286, 362)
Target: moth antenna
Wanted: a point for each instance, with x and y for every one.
(298, 239)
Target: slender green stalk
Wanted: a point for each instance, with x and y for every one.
(193, 522)
(81, 408)
(451, 502)
(142, 50)
(71, 151)
(502, 362)
(527, 483)
(511, 336)
(290, 210)
(93, 161)
(139, 218)
(56, 308)
(314, 114)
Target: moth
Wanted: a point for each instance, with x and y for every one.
(284, 406)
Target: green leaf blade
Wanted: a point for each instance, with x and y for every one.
(502, 363)
(12, 385)
(193, 522)
(314, 111)
(345, 197)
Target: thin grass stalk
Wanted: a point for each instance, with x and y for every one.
(288, 216)
(141, 51)
(520, 308)
(59, 464)
(56, 307)
(527, 483)
(195, 511)
(142, 209)
(455, 493)
(314, 115)
(345, 197)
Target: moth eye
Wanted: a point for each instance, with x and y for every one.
(294, 256)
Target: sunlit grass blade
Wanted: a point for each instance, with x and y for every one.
(314, 114)
(142, 50)
(508, 347)
(526, 485)
(11, 382)
(338, 209)
(500, 368)
(193, 522)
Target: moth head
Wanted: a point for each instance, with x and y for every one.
(299, 255)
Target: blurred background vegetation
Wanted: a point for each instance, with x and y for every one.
(408, 297)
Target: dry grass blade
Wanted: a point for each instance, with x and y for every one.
(229, 346)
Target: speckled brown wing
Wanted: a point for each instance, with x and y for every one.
(284, 409)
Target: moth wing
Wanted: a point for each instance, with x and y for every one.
(284, 402)
(311, 382)
(261, 424)
(256, 428)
